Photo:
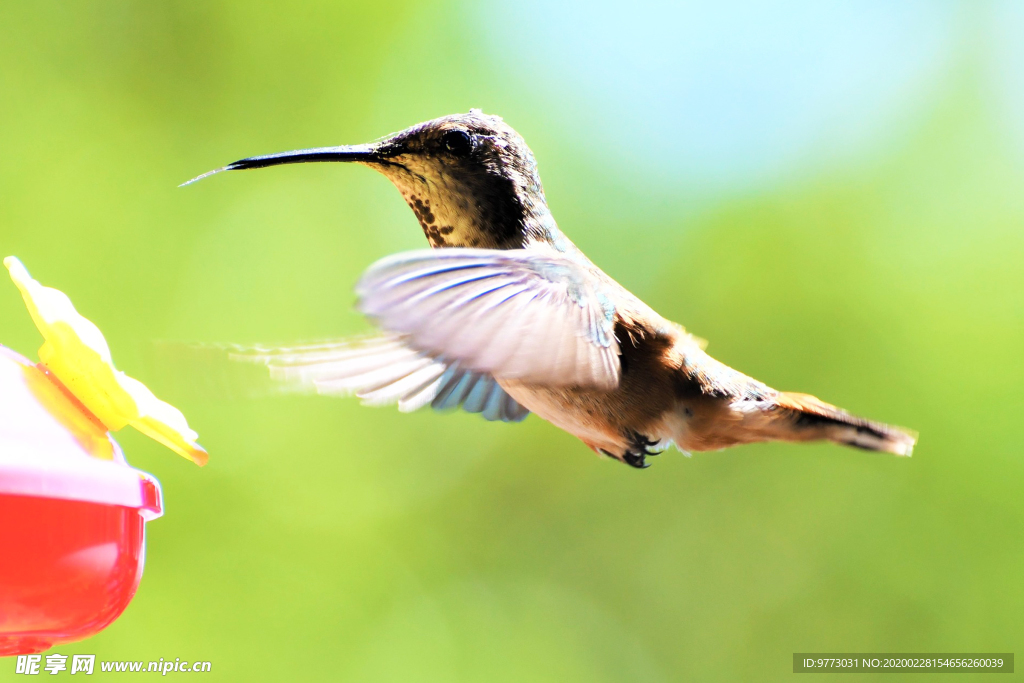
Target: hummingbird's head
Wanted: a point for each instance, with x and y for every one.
(470, 178)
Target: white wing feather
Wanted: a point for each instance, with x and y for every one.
(384, 370)
(511, 314)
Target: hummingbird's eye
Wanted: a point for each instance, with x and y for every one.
(458, 142)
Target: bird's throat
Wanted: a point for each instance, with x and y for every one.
(481, 212)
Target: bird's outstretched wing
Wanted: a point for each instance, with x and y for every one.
(383, 370)
(514, 314)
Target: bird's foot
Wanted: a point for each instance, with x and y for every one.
(637, 460)
(639, 448)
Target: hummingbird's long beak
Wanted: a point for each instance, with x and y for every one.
(369, 153)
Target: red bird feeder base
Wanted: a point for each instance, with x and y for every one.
(69, 569)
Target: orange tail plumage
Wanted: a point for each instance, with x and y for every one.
(804, 417)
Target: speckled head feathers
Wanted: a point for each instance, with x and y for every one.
(470, 179)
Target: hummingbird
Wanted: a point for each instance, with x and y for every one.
(505, 316)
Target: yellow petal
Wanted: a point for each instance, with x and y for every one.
(163, 422)
(37, 410)
(75, 351)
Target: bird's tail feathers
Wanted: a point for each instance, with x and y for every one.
(805, 417)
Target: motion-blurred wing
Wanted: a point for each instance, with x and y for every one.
(511, 314)
(385, 369)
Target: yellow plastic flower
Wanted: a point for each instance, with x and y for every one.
(75, 353)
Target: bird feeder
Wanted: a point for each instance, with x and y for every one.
(72, 511)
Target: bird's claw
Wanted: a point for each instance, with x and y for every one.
(639, 448)
(637, 460)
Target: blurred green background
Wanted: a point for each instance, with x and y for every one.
(831, 193)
